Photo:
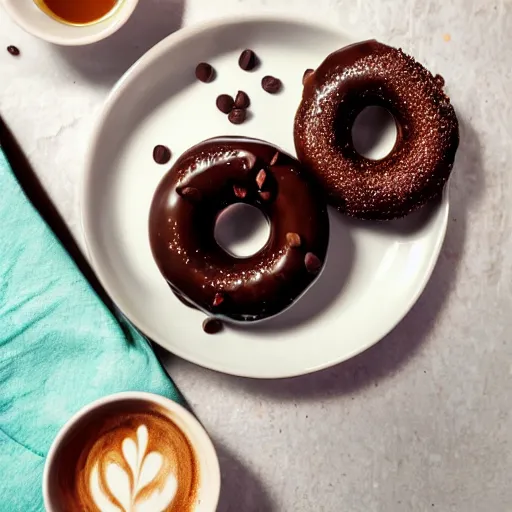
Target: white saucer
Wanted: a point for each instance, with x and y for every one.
(374, 272)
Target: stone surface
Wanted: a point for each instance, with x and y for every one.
(422, 421)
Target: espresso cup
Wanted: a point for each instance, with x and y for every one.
(130, 452)
(35, 21)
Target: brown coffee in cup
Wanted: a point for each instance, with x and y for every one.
(78, 12)
(125, 456)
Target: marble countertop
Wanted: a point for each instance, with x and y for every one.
(422, 421)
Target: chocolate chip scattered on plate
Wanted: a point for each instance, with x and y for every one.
(225, 103)
(205, 72)
(242, 100)
(161, 154)
(271, 84)
(13, 50)
(212, 326)
(248, 60)
(237, 115)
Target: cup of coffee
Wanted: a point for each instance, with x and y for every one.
(70, 22)
(131, 452)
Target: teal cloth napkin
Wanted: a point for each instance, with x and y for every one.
(60, 346)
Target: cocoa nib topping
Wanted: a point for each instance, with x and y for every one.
(275, 158)
(260, 178)
(312, 262)
(190, 193)
(218, 299)
(293, 239)
(250, 160)
(239, 191)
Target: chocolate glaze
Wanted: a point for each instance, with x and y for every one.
(224, 171)
(351, 79)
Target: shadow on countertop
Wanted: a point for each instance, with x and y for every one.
(399, 346)
(106, 61)
(240, 489)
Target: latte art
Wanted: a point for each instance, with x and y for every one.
(127, 488)
(128, 460)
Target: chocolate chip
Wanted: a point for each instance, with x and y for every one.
(260, 178)
(212, 326)
(275, 158)
(265, 195)
(225, 103)
(191, 193)
(313, 263)
(240, 192)
(205, 72)
(218, 299)
(271, 84)
(13, 50)
(161, 154)
(247, 60)
(237, 115)
(242, 100)
(307, 74)
(293, 239)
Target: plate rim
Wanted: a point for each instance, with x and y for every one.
(138, 68)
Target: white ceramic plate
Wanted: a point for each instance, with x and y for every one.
(374, 272)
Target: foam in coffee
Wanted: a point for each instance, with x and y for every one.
(125, 457)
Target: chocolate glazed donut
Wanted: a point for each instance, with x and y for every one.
(204, 181)
(373, 74)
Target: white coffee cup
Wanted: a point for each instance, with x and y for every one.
(36, 22)
(207, 474)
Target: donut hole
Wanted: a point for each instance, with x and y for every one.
(241, 230)
(374, 133)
